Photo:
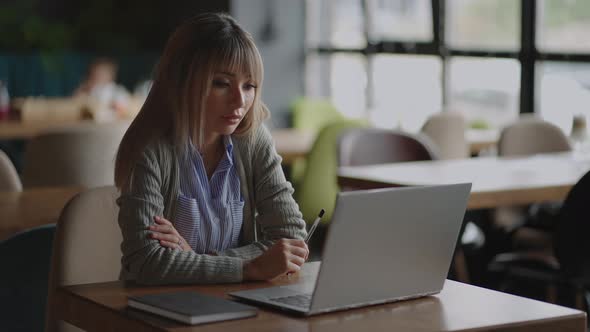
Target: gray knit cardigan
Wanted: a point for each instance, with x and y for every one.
(270, 213)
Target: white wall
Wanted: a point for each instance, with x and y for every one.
(283, 54)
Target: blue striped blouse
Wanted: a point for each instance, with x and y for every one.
(209, 212)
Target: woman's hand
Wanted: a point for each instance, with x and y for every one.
(167, 235)
(285, 256)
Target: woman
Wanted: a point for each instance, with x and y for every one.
(204, 199)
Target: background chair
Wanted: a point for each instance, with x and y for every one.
(319, 185)
(25, 259)
(528, 136)
(80, 156)
(368, 146)
(313, 114)
(86, 246)
(9, 180)
(568, 265)
(531, 136)
(447, 131)
(310, 115)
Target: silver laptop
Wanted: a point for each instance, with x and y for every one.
(383, 245)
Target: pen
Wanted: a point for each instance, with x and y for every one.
(311, 230)
(314, 225)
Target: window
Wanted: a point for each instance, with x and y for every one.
(317, 68)
(563, 25)
(563, 92)
(335, 23)
(406, 91)
(400, 20)
(486, 90)
(348, 81)
(396, 62)
(483, 24)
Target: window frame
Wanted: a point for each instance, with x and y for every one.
(528, 56)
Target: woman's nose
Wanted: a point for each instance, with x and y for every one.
(238, 97)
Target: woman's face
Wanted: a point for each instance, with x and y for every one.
(230, 98)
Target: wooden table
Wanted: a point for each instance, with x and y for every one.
(26, 130)
(33, 207)
(459, 307)
(496, 181)
(292, 144)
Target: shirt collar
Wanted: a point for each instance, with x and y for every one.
(229, 149)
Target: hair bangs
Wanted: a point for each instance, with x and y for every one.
(239, 55)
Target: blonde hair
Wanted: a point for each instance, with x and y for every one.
(175, 106)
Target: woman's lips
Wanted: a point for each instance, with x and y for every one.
(233, 118)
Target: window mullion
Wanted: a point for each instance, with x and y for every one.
(438, 33)
(527, 56)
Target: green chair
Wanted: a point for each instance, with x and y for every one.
(319, 183)
(319, 186)
(310, 115)
(313, 114)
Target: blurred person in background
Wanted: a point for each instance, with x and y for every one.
(100, 86)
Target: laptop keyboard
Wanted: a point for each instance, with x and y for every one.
(299, 300)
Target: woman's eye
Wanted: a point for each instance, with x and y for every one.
(219, 83)
(249, 86)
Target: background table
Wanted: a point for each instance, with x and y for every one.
(496, 181)
(26, 130)
(459, 307)
(290, 143)
(30, 208)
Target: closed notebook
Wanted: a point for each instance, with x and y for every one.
(191, 307)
